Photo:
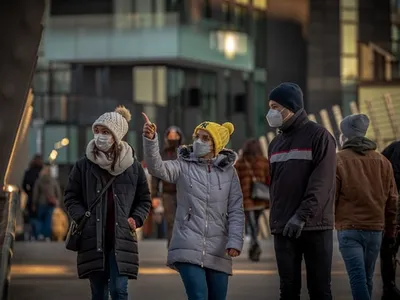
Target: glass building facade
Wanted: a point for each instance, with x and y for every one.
(223, 80)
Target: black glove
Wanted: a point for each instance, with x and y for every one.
(294, 227)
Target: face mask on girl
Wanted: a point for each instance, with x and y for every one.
(103, 141)
(200, 148)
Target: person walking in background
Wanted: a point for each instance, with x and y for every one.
(162, 189)
(366, 200)
(209, 221)
(253, 166)
(46, 196)
(108, 253)
(390, 246)
(303, 162)
(30, 177)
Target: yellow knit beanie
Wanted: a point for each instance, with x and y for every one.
(219, 133)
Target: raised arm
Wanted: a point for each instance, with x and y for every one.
(166, 170)
(236, 219)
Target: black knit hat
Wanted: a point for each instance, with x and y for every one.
(289, 95)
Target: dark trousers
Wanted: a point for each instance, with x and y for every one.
(253, 217)
(109, 282)
(202, 283)
(317, 248)
(388, 262)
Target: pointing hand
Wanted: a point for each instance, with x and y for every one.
(149, 128)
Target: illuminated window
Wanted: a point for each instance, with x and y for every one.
(349, 15)
(349, 39)
(260, 4)
(349, 4)
(349, 69)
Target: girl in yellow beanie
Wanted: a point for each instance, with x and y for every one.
(209, 221)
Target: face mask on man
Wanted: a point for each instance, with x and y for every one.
(103, 141)
(200, 148)
(275, 118)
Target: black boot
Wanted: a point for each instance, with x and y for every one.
(392, 293)
(255, 253)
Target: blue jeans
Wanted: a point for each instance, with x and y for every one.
(109, 282)
(44, 217)
(202, 283)
(360, 250)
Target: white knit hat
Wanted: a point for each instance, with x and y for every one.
(116, 122)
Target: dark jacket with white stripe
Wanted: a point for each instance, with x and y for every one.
(303, 168)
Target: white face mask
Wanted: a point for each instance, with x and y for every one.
(200, 148)
(274, 118)
(103, 141)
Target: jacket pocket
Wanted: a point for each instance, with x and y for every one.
(187, 218)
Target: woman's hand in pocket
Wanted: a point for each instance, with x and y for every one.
(132, 224)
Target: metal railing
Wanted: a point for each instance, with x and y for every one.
(9, 203)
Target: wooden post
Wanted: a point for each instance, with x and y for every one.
(312, 117)
(392, 116)
(354, 108)
(374, 125)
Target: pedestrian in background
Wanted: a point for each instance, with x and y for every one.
(46, 196)
(252, 167)
(30, 177)
(108, 254)
(366, 200)
(165, 191)
(389, 246)
(209, 221)
(303, 162)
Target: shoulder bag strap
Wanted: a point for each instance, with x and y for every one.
(96, 201)
(250, 170)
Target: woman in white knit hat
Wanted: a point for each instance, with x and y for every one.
(111, 181)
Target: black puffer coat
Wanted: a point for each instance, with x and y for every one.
(131, 198)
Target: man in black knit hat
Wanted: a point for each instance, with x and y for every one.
(303, 168)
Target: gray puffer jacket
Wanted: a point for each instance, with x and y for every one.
(209, 217)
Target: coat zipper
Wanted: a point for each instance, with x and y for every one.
(206, 228)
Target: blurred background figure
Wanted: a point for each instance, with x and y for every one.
(253, 166)
(30, 177)
(46, 196)
(161, 190)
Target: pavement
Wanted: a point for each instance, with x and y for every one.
(46, 271)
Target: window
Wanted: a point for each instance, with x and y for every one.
(349, 69)
(143, 85)
(349, 4)
(260, 4)
(349, 39)
(349, 15)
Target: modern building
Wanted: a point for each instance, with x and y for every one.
(181, 62)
